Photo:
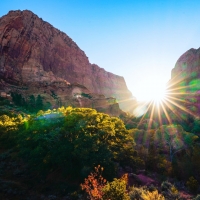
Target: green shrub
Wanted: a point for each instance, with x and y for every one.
(166, 185)
(142, 193)
(192, 184)
(152, 188)
(152, 196)
(116, 190)
(197, 197)
(169, 190)
(136, 193)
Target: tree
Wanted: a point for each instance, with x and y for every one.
(31, 103)
(47, 106)
(17, 98)
(173, 137)
(195, 159)
(196, 126)
(116, 189)
(81, 139)
(97, 188)
(97, 137)
(39, 103)
(94, 184)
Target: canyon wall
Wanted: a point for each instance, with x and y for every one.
(33, 51)
(185, 81)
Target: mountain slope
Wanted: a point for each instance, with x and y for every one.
(33, 51)
(185, 81)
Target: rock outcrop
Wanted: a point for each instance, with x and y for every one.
(57, 94)
(185, 81)
(34, 52)
(188, 65)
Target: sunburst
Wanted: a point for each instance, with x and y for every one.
(167, 101)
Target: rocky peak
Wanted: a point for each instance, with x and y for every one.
(185, 80)
(188, 63)
(33, 51)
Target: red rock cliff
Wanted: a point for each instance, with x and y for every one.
(185, 81)
(188, 65)
(32, 50)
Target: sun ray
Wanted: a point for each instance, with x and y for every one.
(149, 105)
(151, 116)
(159, 116)
(173, 110)
(177, 99)
(175, 80)
(165, 105)
(181, 107)
(166, 114)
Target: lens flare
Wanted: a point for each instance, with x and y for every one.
(158, 94)
(166, 103)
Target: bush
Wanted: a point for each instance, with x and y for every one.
(197, 197)
(166, 185)
(136, 193)
(152, 195)
(94, 183)
(169, 190)
(143, 194)
(97, 189)
(192, 184)
(151, 188)
(116, 190)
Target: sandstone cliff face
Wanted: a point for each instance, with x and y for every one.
(185, 80)
(33, 51)
(188, 65)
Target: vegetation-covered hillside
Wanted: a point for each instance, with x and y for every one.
(53, 154)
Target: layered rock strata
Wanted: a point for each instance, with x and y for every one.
(33, 51)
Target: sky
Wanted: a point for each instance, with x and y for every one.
(140, 40)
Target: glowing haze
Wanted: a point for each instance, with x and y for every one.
(139, 40)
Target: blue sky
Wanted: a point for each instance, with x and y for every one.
(139, 40)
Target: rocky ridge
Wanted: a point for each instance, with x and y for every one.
(33, 53)
(185, 80)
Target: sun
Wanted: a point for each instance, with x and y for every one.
(151, 91)
(158, 94)
(161, 102)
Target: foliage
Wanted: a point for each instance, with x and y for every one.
(79, 139)
(196, 126)
(192, 184)
(136, 193)
(4, 101)
(174, 137)
(94, 184)
(39, 103)
(169, 190)
(142, 193)
(97, 188)
(195, 158)
(31, 103)
(164, 166)
(197, 197)
(69, 142)
(116, 189)
(98, 138)
(152, 196)
(9, 127)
